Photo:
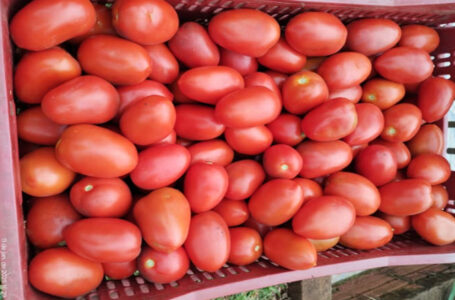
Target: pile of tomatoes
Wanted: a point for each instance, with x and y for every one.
(148, 145)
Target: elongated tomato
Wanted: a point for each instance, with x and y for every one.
(353, 94)
(435, 226)
(165, 67)
(400, 224)
(399, 150)
(370, 123)
(233, 212)
(197, 122)
(245, 176)
(432, 167)
(367, 233)
(429, 139)
(244, 64)
(435, 98)
(213, 151)
(401, 122)
(33, 126)
(440, 196)
(377, 163)
(382, 93)
(250, 141)
(420, 37)
(283, 58)
(286, 129)
(246, 245)
(120, 270)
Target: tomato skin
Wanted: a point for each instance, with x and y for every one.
(330, 121)
(432, 167)
(309, 188)
(233, 212)
(303, 91)
(104, 239)
(234, 110)
(213, 151)
(382, 93)
(264, 80)
(353, 93)
(197, 122)
(38, 72)
(435, 226)
(429, 139)
(243, 64)
(286, 129)
(369, 125)
(326, 244)
(148, 120)
(60, 272)
(75, 17)
(367, 233)
(316, 33)
(262, 229)
(249, 141)
(372, 36)
(208, 244)
(440, 196)
(295, 252)
(277, 77)
(276, 201)
(117, 60)
(406, 197)
(401, 122)
(420, 37)
(377, 163)
(161, 267)
(283, 58)
(282, 161)
(165, 67)
(103, 24)
(404, 65)
(109, 154)
(119, 270)
(400, 224)
(33, 126)
(246, 31)
(178, 95)
(399, 150)
(323, 158)
(435, 97)
(344, 70)
(160, 165)
(245, 176)
(246, 246)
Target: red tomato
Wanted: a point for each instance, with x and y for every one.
(357, 148)
(276, 201)
(432, 167)
(52, 271)
(117, 60)
(429, 139)
(279, 78)
(377, 163)
(303, 91)
(178, 95)
(372, 36)
(101, 197)
(283, 58)
(316, 33)
(262, 229)
(435, 98)
(309, 188)
(103, 24)
(330, 121)
(245, 176)
(382, 93)
(353, 93)
(44, 24)
(42, 174)
(249, 141)
(165, 67)
(323, 158)
(294, 252)
(95, 151)
(367, 233)
(193, 46)
(161, 267)
(264, 80)
(440, 196)
(286, 129)
(33, 126)
(246, 31)
(208, 243)
(344, 70)
(400, 224)
(404, 65)
(420, 37)
(38, 72)
(324, 217)
(246, 246)
(326, 244)
(399, 150)
(243, 64)
(104, 239)
(369, 126)
(213, 151)
(406, 197)
(401, 122)
(197, 122)
(47, 218)
(435, 226)
(183, 142)
(171, 138)
(233, 212)
(160, 165)
(119, 270)
(282, 161)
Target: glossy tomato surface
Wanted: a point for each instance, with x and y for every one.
(197, 122)
(420, 37)
(401, 122)
(310, 188)
(286, 129)
(400, 224)
(440, 196)
(245, 176)
(120, 270)
(435, 226)
(103, 24)
(370, 123)
(399, 150)
(244, 64)
(429, 166)
(283, 58)
(213, 151)
(429, 139)
(264, 80)
(246, 246)
(435, 97)
(367, 233)
(165, 67)
(233, 212)
(249, 141)
(282, 161)
(377, 163)
(353, 93)
(382, 93)
(323, 245)
(33, 126)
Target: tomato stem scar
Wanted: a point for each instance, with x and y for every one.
(284, 167)
(391, 131)
(302, 80)
(149, 263)
(88, 188)
(256, 248)
(371, 97)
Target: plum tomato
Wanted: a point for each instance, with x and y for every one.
(213, 151)
(401, 122)
(420, 37)
(382, 93)
(233, 212)
(400, 224)
(249, 141)
(370, 123)
(245, 176)
(435, 226)
(246, 246)
(435, 97)
(367, 233)
(283, 58)
(440, 196)
(377, 163)
(282, 161)
(429, 139)
(244, 64)
(432, 167)
(197, 122)
(286, 130)
(33, 126)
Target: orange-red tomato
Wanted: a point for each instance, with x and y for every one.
(282, 161)
(286, 129)
(429, 166)
(435, 226)
(178, 95)
(399, 149)
(429, 139)
(370, 123)
(400, 224)
(357, 148)
(103, 24)
(382, 93)
(309, 188)
(245, 176)
(278, 77)
(246, 246)
(264, 80)
(213, 151)
(377, 163)
(283, 58)
(171, 138)
(33, 126)
(165, 67)
(244, 64)
(262, 229)
(119, 270)
(326, 244)
(197, 122)
(420, 37)
(367, 233)
(249, 141)
(353, 93)
(440, 196)
(233, 212)
(435, 97)
(401, 122)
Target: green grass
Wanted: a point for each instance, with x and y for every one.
(277, 292)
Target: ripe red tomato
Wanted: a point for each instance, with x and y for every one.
(171, 138)
(309, 188)
(326, 244)
(276, 201)
(249, 141)
(440, 196)
(323, 158)
(44, 24)
(404, 65)
(147, 22)
(282, 161)
(295, 252)
(197, 122)
(330, 121)
(101, 197)
(95, 151)
(401, 122)
(165, 209)
(117, 60)
(246, 31)
(52, 271)
(307, 86)
(245, 176)
(435, 98)
(165, 67)
(399, 150)
(38, 72)
(377, 163)
(233, 212)
(344, 70)
(178, 95)
(208, 243)
(246, 246)
(104, 239)
(316, 33)
(357, 148)
(429, 139)
(400, 224)
(432, 167)
(369, 125)
(244, 64)
(372, 36)
(353, 93)
(382, 93)
(279, 78)
(159, 267)
(119, 270)
(264, 80)
(286, 129)
(405, 197)
(435, 226)
(420, 37)
(324, 217)
(103, 24)
(262, 229)
(213, 151)
(283, 58)
(160, 165)
(33, 126)
(367, 233)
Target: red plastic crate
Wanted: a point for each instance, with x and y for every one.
(407, 249)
